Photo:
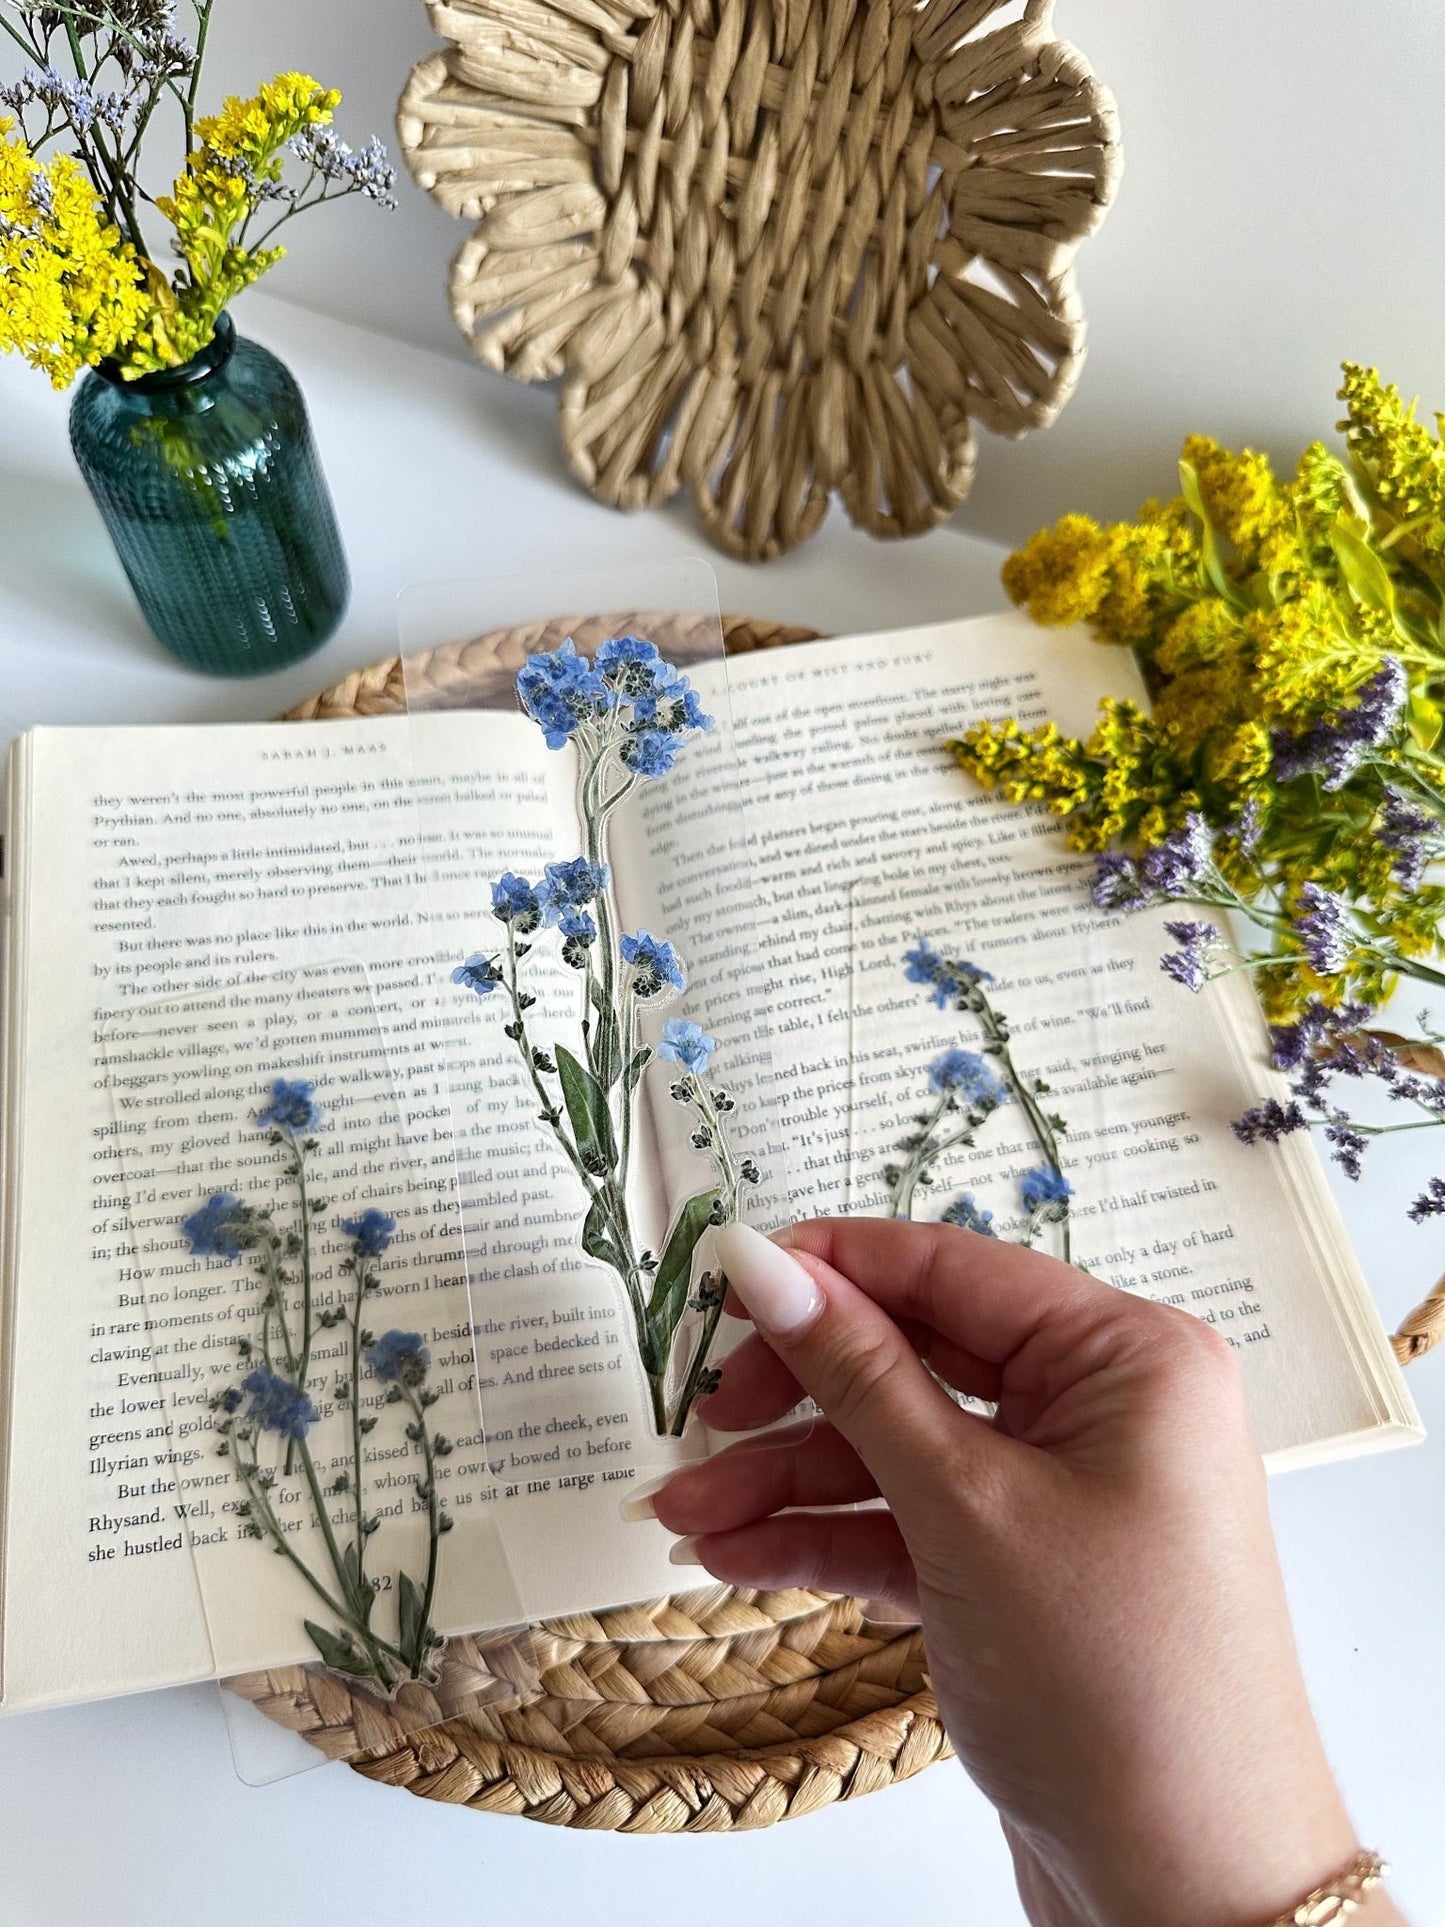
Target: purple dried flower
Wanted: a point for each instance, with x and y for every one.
(1116, 884)
(1181, 862)
(1267, 1123)
(1334, 749)
(1347, 1145)
(1323, 930)
(1189, 965)
(1430, 1203)
(1403, 827)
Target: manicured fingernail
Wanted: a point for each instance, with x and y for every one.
(638, 1502)
(781, 1296)
(684, 1553)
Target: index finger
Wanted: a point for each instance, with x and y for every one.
(986, 1296)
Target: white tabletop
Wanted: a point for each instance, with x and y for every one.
(130, 1812)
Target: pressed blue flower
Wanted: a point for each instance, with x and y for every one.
(230, 1399)
(571, 885)
(949, 978)
(654, 964)
(970, 1216)
(293, 1107)
(1322, 929)
(559, 690)
(277, 1405)
(577, 926)
(675, 708)
(631, 663)
(218, 1229)
(1189, 964)
(371, 1233)
(651, 753)
(965, 1074)
(399, 1358)
(687, 1044)
(518, 902)
(478, 973)
(1045, 1189)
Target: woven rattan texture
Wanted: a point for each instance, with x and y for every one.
(715, 1710)
(775, 249)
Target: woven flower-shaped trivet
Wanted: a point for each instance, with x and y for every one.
(774, 248)
(713, 1710)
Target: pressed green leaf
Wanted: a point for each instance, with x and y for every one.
(410, 1621)
(335, 1651)
(586, 1108)
(595, 1241)
(1365, 574)
(674, 1270)
(607, 1054)
(636, 1067)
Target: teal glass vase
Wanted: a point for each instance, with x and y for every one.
(208, 479)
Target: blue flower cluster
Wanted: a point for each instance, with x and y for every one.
(293, 1108)
(655, 965)
(560, 899)
(1046, 1191)
(964, 1074)
(970, 1216)
(399, 1358)
(277, 1405)
(687, 1044)
(218, 1229)
(627, 680)
(1412, 833)
(371, 1233)
(950, 981)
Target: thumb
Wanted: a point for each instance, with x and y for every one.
(849, 1355)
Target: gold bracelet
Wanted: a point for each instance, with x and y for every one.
(1339, 1897)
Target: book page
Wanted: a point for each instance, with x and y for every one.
(849, 788)
(164, 862)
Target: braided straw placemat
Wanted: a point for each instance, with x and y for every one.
(716, 1709)
(774, 248)
(713, 1710)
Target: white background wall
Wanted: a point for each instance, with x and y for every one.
(1283, 206)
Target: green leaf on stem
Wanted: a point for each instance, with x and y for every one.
(411, 1621)
(1426, 719)
(586, 1109)
(674, 1270)
(635, 1068)
(337, 1651)
(595, 1241)
(1366, 576)
(1209, 541)
(607, 1055)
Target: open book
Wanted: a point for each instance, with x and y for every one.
(149, 867)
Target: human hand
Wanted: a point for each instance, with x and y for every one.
(1103, 1613)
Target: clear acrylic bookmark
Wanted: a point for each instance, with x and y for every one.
(297, 1241)
(608, 1048)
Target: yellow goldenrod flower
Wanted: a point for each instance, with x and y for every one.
(70, 291)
